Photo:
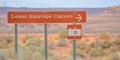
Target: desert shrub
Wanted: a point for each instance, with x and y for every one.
(2, 56)
(96, 58)
(114, 48)
(27, 37)
(69, 58)
(81, 53)
(31, 53)
(51, 45)
(105, 35)
(117, 41)
(95, 52)
(62, 39)
(53, 57)
(87, 49)
(34, 42)
(5, 40)
(37, 56)
(107, 57)
(97, 45)
(101, 44)
(23, 53)
(92, 44)
(79, 58)
(62, 34)
(86, 35)
(81, 45)
(62, 43)
(10, 54)
(115, 56)
(40, 49)
(106, 44)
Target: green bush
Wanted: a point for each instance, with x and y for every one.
(95, 52)
(114, 48)
(105, 35)
(10, 54)
(2, 56)
(101, 44)
(5, 40)
(117, 41)
(62, 39)
(37, 56)
(81, 53)
(96, 58)
(106, 44)
(24, 52)
(27, 37)
(34, 42)
(32, 52)
(53, 57)
(88, 48)
(86, 35)
(51, 45)
(92, 44)
(69, 58)
(81, 45)
(79, 58)
(107, 57)
(62, 34)
(115, 56)
(62, 43)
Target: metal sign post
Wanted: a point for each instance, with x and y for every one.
(46, 46)
(74, 32)
(74, 46)
(74, 49)
(16, 38)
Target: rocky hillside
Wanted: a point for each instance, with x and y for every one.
(110, 13)
(108, 21)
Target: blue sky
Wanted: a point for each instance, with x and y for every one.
(59, 3)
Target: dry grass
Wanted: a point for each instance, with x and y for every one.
(61, 52)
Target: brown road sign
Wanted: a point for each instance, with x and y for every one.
(49, 17)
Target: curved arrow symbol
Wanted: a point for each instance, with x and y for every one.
(79, 17)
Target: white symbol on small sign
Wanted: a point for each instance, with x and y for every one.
(79, 17)
(74, 32)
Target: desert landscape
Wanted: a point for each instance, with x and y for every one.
(101, 37)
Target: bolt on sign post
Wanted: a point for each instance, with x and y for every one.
(49, 17)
